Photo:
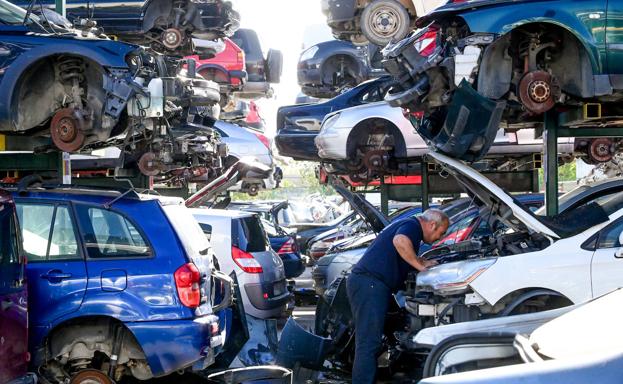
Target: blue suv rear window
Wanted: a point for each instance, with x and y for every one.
(108, 234)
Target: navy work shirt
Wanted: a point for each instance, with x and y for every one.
(382, 261)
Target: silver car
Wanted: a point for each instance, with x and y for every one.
(241, 247)
(376, 136)
(248, 143)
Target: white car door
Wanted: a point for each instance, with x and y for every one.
(607, 264)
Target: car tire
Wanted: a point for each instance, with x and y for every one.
(381, 11)
(274, 66)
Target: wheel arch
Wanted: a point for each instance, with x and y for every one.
(357, 68)
(44, 76)
(514, 300)
(576, 79)
(364, 126)
(96, 333)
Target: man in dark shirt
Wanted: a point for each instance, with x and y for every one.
(382, 271)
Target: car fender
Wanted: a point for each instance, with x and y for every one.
(562, 267)
(340, 10)
(504, 18)
(111, 54)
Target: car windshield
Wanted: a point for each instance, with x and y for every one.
(12, 14)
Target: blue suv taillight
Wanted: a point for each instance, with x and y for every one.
(188, 283)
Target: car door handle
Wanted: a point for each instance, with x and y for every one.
(618, 253)
(55, 275)
(6, 304)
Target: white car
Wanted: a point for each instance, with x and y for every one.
(251, 144)
(566, 345)
(366, 136)
(241, 246)
(378, 137)
(531, 263)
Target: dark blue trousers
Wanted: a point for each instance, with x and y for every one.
(369, 299)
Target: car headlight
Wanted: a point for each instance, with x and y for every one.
(321, 244)
(330, 122)
(308, 54)
(453, 278)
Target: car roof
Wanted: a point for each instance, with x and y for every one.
(233, 214)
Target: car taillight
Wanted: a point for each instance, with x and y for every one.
(263, 139)
(288, 247)
(188, 283)
(427, 43)
(415, 115)
(246, 261)
(241, 56)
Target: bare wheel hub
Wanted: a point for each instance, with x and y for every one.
(376, 160)
(600, 150)
(385, 21)
(149, 165)
(172, 38)
(537, 92)
(91, 376)
(67, 129)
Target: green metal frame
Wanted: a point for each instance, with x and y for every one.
(553, 129)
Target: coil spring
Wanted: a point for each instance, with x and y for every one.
(79, 364)
(71, 68)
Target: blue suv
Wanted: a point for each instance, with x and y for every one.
(120, 284)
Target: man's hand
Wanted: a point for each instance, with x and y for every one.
(429, 263)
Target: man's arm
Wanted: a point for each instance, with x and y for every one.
(405, 249)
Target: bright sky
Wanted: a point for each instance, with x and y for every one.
(281, 24)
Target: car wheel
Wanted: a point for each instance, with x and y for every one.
(274, 66)
(384, 20)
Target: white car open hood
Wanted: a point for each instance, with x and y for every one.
(504, 206)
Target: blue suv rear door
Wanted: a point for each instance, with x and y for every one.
(56, 269)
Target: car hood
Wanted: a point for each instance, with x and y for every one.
(364, 208)
(599, 325)
(457, 7)
(505, 207)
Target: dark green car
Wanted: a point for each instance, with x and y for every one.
(476, 66)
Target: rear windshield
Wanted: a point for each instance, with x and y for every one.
(248, 235)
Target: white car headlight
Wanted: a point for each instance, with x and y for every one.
(453, 278)
(309, 53)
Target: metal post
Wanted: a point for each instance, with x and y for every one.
(550, 138)
(425, 197)
(384, 197)
(60, 7)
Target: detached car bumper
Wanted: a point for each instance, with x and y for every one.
(173, 345)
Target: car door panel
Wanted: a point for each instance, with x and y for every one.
(56, 269)
(607, 263)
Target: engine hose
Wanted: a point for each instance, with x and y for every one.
(445, 311)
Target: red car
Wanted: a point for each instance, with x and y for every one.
(226, 68)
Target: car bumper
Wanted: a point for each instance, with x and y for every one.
(331, 143)
(267, 300)
(297, 145)
(173, 345)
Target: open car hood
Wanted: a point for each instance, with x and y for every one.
(367, 211)
(505, 207)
